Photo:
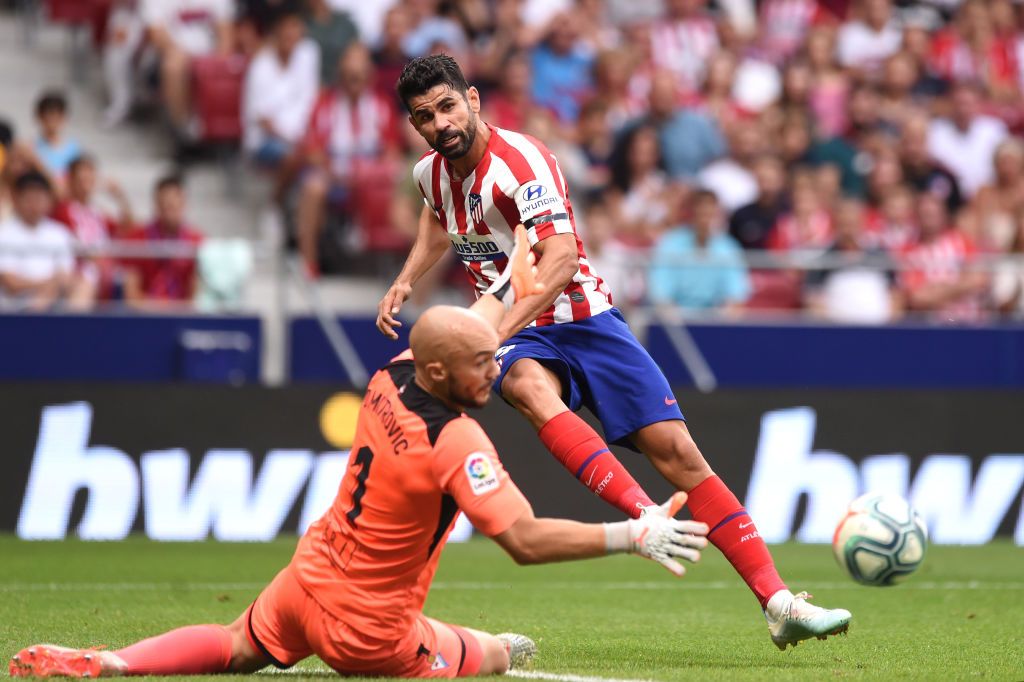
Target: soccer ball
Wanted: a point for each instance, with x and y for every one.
(881, 540)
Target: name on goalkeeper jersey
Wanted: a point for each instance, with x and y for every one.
(380, 406)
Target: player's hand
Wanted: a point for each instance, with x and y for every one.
(389, 307)
(658, 536)
(523, 264)
(519, 278)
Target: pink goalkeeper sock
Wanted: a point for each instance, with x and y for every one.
(192, 650)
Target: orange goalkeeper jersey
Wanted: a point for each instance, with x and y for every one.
(414, 464)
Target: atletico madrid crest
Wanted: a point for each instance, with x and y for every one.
(476, 207)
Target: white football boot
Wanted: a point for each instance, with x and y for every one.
(791, 619)
(521, 649)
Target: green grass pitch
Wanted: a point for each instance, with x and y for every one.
(960, 617)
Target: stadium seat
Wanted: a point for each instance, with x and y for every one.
(373, 190)
(774, 290)
(71, 12)
(217, 89)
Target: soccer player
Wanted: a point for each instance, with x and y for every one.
(353, 593)
(567, 346)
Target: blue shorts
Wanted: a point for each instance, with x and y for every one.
(601, 365)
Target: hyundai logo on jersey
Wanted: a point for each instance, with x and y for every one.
(534, 192)
(476, 207)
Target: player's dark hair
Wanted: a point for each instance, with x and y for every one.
(31, 180)
(79, 161)
(51, 101)
(424, 73)
(172, 181)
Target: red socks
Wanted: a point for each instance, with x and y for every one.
(586, 456)
(192, 650)
(733, 532)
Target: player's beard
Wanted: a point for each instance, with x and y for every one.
(466, 140)
(465, 397)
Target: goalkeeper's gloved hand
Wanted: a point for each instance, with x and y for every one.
(659, 537)
(519, 278)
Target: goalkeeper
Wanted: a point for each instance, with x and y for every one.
(354, 591)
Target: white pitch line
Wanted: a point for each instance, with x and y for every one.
(541, 675)
(492, 586)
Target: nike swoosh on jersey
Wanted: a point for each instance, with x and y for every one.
(670, 401)
(744, 525)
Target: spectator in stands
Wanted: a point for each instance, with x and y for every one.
(1000, 204)
(866, 42)
(123, 40)
(596, 143)
(510, 103)
(970, 48)
(37, 259)
(333, 31)
(859, 288)
(731, 178)
(699, 266)
(921, 171)
(92, 227)
(684, 41)
(6, 151)
(939, 277)
(389, 56)
(830, 86)
(689, 140)
(966, 142)
(612, 72)
(640, 203)
(1008, 280)
(169, 278)
(181, 30)
(808, 225)
(350, 123)
(895, 227)
(53, 146)
(369, 16)
(280, 87)
(750, 225)
(561, 71)
(784, 24)
(898, 101)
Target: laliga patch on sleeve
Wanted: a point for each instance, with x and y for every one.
(536, 197)
(480, 473)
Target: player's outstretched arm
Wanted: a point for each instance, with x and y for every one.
(558, 264)
(431, 243)
(517, 281)
(657, 537)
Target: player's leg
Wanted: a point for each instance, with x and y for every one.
(446, 650)
(672, 451)
(790, 618)
(537, 392)
(190, 650)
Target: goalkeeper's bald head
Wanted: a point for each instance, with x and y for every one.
(453, 349)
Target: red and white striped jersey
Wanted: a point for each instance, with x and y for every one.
(517, 181)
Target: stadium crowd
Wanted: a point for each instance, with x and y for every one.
(857, 159)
